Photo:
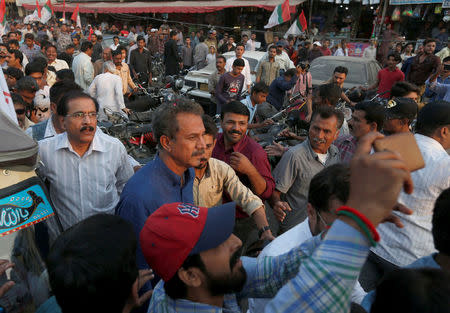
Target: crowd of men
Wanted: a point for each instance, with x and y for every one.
(337, 227)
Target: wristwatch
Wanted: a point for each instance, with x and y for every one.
(262, 230)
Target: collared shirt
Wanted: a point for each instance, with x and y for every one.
(268, 71)
(151, 187)
(63, 41)
(87, 185)
(401, 246)
(283, 244)
(31, 53)
(419, 72)
(442, 90)
(107, 89)
(257, 156)
(246, 71)
(213, 80)
(187, 55)
(302, 280)
(252, 108)
(296, 169)
(59, 64)
(126, 78)
(83, 70)
(219, 177)
(141, 62)
(347, 147)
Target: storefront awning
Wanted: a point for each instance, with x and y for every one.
(403, 2)
(160, 7)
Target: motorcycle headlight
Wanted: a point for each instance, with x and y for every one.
(179, 82)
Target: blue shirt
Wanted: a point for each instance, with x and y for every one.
(427, 261)
(313, 277)
(248, 103)
(147, 190)
(439, 90)
(278, 89)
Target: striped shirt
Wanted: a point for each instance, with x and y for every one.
(87, 185)
(313, 277)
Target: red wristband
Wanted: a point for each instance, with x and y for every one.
(362, 217)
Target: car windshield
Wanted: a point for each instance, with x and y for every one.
(322, 69)
(253, 62)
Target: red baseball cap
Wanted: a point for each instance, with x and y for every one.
(177, 230)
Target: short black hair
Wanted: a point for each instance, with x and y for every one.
(440, 222)
(17, 54)
(428, 40)
(62, 106)
(174, 287)
(85, 46)
(210, 125)
(235, 107)
(165, 117)
(239, 62)
(446, 59)
(116, 52)
(60, 88)
(432, 116)
(13, 42)
(240, 44)
(260, 87)
(29, 36)
(34, 67)
(395, 55)
(414, 291)
(401, 89)
(27, 83)
(341, 69)
(333, 182)
(93, 265)
(173, 33)
(139, 38)
(65, 74)
(373, 113)
(330, 91)
(116, 37)
(290, 72)
(221, 57)
(16, 98)
(14, 72)
(70, 46)
(326, 112)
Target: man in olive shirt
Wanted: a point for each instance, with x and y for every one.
(270, 69)
(214, 80)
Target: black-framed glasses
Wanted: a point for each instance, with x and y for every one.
(43, 110)
(20, 111)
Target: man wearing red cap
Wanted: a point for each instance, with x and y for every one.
(194, 251)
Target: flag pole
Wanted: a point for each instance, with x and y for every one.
(310, 12)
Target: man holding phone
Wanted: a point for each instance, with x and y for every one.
(442, 89)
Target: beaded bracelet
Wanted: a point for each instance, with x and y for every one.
(362, 217)
(361, 224)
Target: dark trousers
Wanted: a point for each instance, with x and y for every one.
(374, 270)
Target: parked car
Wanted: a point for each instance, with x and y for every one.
(108, 40)
(361, 71)
(198, 79)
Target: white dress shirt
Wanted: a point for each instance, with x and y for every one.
(246, 71)
(402, 246)
(113, 46)
(84, 70)
(87, 185)
(283, 244)
(59, 64)
(107, 89)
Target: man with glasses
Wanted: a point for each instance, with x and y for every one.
(85, 168)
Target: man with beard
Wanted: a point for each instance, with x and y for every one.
(299, 165)
(423, 65)
(85, 168)
(213, 80)
(194, 251)
(249, 161)
(213, 178)
(178, 129)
